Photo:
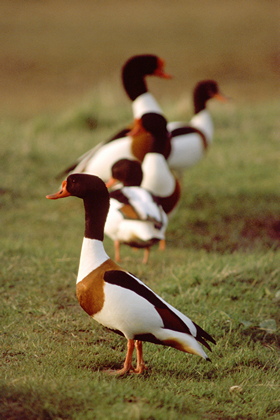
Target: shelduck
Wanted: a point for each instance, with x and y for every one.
(188, 141)
(135, 216)
(101, 158)
(157, 176)
(117, 299)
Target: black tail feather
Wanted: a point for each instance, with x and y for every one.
(202, 341)
(202, 336)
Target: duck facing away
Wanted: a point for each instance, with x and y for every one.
(135, 216)
(117, 299)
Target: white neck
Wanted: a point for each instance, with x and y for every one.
(203, 122)
(92, 256)
(157, 177)
(144, 104)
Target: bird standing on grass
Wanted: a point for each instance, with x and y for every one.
(117, 299)
(135, 216)
(190, 141)
(149, 119)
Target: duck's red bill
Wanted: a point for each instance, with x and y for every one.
(160, 72)
(112, 181)
(221, 97)
(60, 194)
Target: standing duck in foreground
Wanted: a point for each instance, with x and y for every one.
(117, 299)
(135, 216)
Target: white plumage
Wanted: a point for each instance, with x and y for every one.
(150, 224)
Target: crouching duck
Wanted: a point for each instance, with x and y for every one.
(135, 216)
(117, 299)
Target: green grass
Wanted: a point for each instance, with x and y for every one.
(221, 268)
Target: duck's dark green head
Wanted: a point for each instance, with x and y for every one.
(82, 186)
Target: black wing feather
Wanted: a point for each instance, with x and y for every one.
(169, 318)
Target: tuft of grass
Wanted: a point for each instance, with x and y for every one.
(221, 268)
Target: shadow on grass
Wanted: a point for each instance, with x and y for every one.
(228, 223)
(267, 338)
(21, 404)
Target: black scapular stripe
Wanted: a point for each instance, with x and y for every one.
(119, 135)
(180, 131)
(125, 280)
(119, 196)
(169, 318)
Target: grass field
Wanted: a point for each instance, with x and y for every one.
(221, 268)
(221, 265)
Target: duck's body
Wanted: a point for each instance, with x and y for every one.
(101, 158)
(110, 287)
(117, 299)
(135, 216)
(190, 142)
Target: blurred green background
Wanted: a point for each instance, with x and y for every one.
(54, 52)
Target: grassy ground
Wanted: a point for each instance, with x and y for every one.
(221, 268)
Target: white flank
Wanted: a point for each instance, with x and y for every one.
(188, 149)
(143, 203)
(139, 316)
(118, 227)
(107, 155)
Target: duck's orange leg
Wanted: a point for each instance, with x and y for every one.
(146, 255)
(117, 247)
(140, 367)
(127, 366)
